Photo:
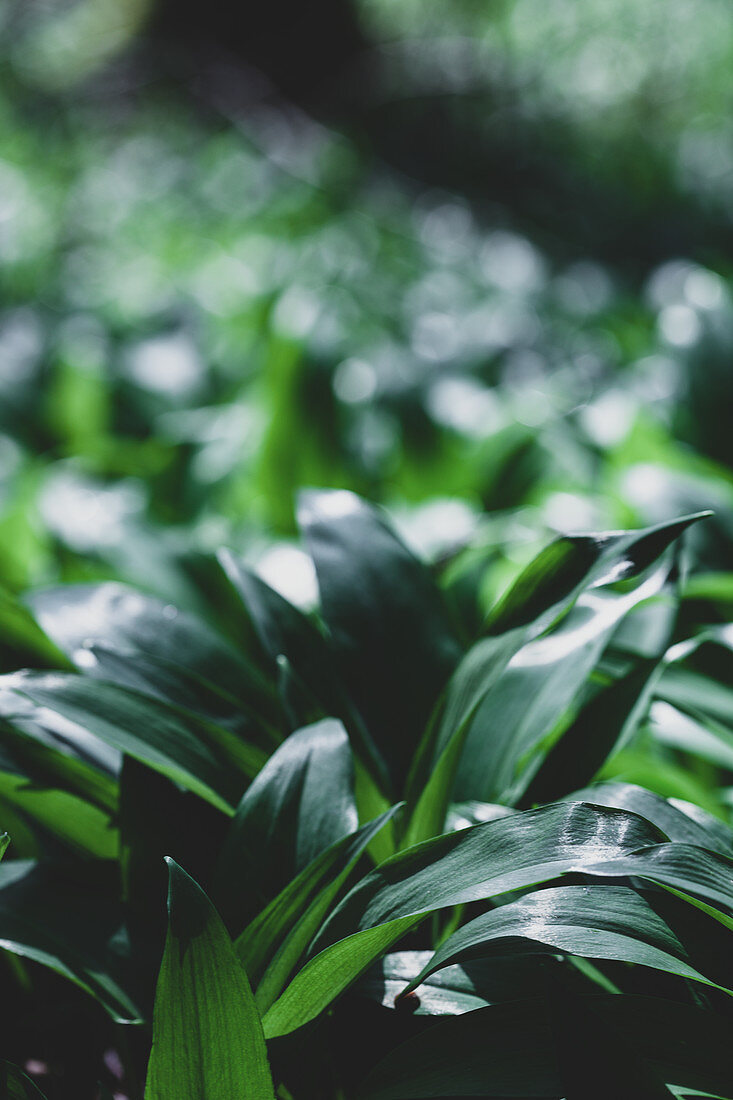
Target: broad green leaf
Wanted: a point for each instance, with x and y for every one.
(394, 645)
(575, 562)
(510, 1050)
(645, 767)
(4, 841)
(432, 776)
(647, 631)
(326, 976)
(178, 657)
(22, 642)
(516, 722)
(184, 689)
(53, 748)
(492, 858)
(697, 694)
(285, 632)
(65, 798)
(597, 922)
(67, 921)
(720, 835)
(453, 989)
(15, 1085)
(66, 817)
(203, 757)
(681, 822)
(273, 943)
(463, 814)
(700, 875)
(282, 629)
(207, 1034)
(301, 802)
(510, 853)
(606, 721)
(707, 738)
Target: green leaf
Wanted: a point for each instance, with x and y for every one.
(394, 645)
(4, 841)
(64, 798)
(22, 642)
(71, 820)
(606, 721)
(532, 702)
(681, 822)
(203, 757)
(301, 802)
(595, 922)
(286, 634)
(15, 1085)
(695, 693)
(51, 747)
(453, 989)
(274, 942)
(64, 918)
(283, 630)
(432, 776)
(707, 739)
(575, 562)
(207, 1034)
(699, 875)
(645, 768)
(175, 655)
(510, 853)
(49, 750)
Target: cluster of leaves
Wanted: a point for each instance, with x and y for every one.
(397, 881)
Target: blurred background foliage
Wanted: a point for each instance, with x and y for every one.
(472, 260)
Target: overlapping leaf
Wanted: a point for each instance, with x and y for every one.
(596, 922)
(205, 758)
(480, 862)
(394, 644)
(301, 802)
(73, 925)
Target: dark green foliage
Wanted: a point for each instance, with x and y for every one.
(413, 883)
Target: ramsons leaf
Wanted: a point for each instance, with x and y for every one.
(204, 757)
(597, 922)
(301, 802)
(393, 640)
(207, 1034)
(479, 862)
(575, 562)
(274, 942)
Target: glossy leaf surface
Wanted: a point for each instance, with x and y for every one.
(574, 562)
(475, 863)
(301, 803)
(595, 922)
(203, 757)
(394, 643)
